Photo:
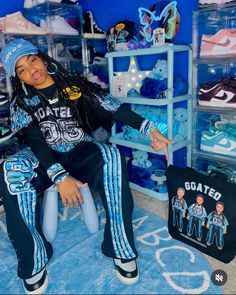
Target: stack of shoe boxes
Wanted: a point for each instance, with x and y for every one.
(214, 137)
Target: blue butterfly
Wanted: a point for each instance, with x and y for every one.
(164, 17)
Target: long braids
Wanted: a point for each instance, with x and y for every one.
(63, 79)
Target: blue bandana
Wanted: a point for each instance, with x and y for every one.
(12, 51)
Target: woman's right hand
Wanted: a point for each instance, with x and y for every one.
(69, 191)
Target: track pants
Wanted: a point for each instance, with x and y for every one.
(23, 180)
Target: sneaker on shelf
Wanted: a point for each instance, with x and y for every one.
(221, 94)
(3, 99)
(221, 43)
(219, 142)
(95, 79)
(57, 25)
(2, 24)
(15, 23)
(37, 284)
(228, 171)
(209, 2)
(99, 60)
(31, 3)
(126, 272)
(70, 2)
(90, 28)
(1, 208)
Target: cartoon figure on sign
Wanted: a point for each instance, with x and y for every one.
(196, 216)
(217, 224)
(179, 207)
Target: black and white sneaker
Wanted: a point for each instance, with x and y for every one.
(90, 28)
(1, 208)
(126, 272)
(37, 287)
(221, 94)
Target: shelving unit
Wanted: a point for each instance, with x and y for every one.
(169, 51)
(207, 68)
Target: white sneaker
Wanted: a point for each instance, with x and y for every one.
(57, 25)
(219, 2)
(15, 23)
(31, 3)
(127, 272)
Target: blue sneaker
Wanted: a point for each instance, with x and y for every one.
(219, 142)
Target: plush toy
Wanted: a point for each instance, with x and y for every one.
(160, 70)
(140, 159)
(155, 85)
(180, 123)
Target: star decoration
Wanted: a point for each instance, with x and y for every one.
(133, 76)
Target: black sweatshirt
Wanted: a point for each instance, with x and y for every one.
(55, 129)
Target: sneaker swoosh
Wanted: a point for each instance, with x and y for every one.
(226, 145)
(222, 97)
(223, 44)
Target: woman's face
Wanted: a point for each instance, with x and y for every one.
(31, 70)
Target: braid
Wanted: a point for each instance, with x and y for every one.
(62, 79)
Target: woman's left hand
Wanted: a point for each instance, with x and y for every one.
(159, 142)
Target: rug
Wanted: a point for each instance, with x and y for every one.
(166, 266)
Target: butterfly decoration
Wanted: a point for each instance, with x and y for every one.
(167, 19)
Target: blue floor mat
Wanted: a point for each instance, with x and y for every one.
(166, 266)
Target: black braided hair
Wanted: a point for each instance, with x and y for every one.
(62, 79)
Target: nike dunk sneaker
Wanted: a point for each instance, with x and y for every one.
(221, 43)
(221, 94)
(219, 143)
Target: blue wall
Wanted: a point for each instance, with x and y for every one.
(10, 6)
(107, 13)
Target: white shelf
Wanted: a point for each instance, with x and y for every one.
(154, 101)
(146, 51)
(144, 146)
(151, 193)
(137, 99)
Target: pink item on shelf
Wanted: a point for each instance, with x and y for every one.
(219, 2)
(2, 24)
(15, 23)
(222, 43)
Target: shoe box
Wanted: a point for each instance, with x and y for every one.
(215, 167)
(216, 30)
(56, 18)
(215, 83)
(215, 133)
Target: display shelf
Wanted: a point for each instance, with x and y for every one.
(213, 121)
(215, 157)
(148, 192)
(144, 145)
(168, 103)
(154, 102)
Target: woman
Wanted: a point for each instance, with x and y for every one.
(50, 109)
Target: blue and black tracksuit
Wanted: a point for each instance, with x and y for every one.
(197, 215)
(217, 224)
(179, 207)
(57, 146)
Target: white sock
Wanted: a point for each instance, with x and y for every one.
(35, 278)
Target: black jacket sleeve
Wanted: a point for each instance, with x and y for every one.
(35, 139)
(128, 117)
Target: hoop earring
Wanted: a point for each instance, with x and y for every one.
(55, 69)
(24, 89)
